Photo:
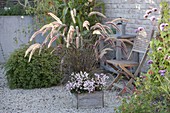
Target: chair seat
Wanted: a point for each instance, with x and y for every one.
(125, 63)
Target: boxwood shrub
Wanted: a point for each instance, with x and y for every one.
(42, 71)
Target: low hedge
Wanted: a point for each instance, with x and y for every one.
(42, 71)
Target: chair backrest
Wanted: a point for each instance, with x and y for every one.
(141, 45)
(141, 42)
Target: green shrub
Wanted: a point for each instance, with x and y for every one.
(42, 71)
(147, 99)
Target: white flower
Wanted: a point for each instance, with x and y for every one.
(5, 8)
(22, 17)
(80, 82)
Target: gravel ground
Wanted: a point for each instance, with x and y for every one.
(48, 100)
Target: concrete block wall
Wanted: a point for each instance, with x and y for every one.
(132, 10)
(13, 28)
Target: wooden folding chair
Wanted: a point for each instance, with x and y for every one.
(141, 45)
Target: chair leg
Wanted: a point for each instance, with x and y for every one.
(126, 71)
(123, 73)
(114, 81)
(130, 82)
(127, 89)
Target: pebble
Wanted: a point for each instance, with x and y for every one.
(47, 100)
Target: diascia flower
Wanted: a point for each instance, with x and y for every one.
(150, 62)
(140, 28)
(148, 12)
(152, 18)
(154, 9)
(163, 25)
(159, 48)
(162, 72)
(146, 16)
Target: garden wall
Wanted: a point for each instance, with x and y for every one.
(14, 32)
(132, 10)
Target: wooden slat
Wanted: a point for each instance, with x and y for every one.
(122, 62)
(127, 71)
(139, 51)
(114, 81)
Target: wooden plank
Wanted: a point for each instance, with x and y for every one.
(90, 100)
(118, 51)
(118, 85)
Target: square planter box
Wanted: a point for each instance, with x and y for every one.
(90, 100)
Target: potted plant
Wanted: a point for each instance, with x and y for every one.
(88, 90)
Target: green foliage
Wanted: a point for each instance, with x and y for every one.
(165, 12)
(40, 11)
(153, 94)
(42, 71)
(83, 8)
(161, 53)
(12, 9)
(147, 99)
(62, 8)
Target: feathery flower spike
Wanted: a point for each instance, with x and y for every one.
(97, 13)
(86, 24)
(55, 17)
(33, 50)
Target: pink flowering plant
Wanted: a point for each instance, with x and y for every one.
(158, 74)
(152, 93)
(83, 83)
(160, 56)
